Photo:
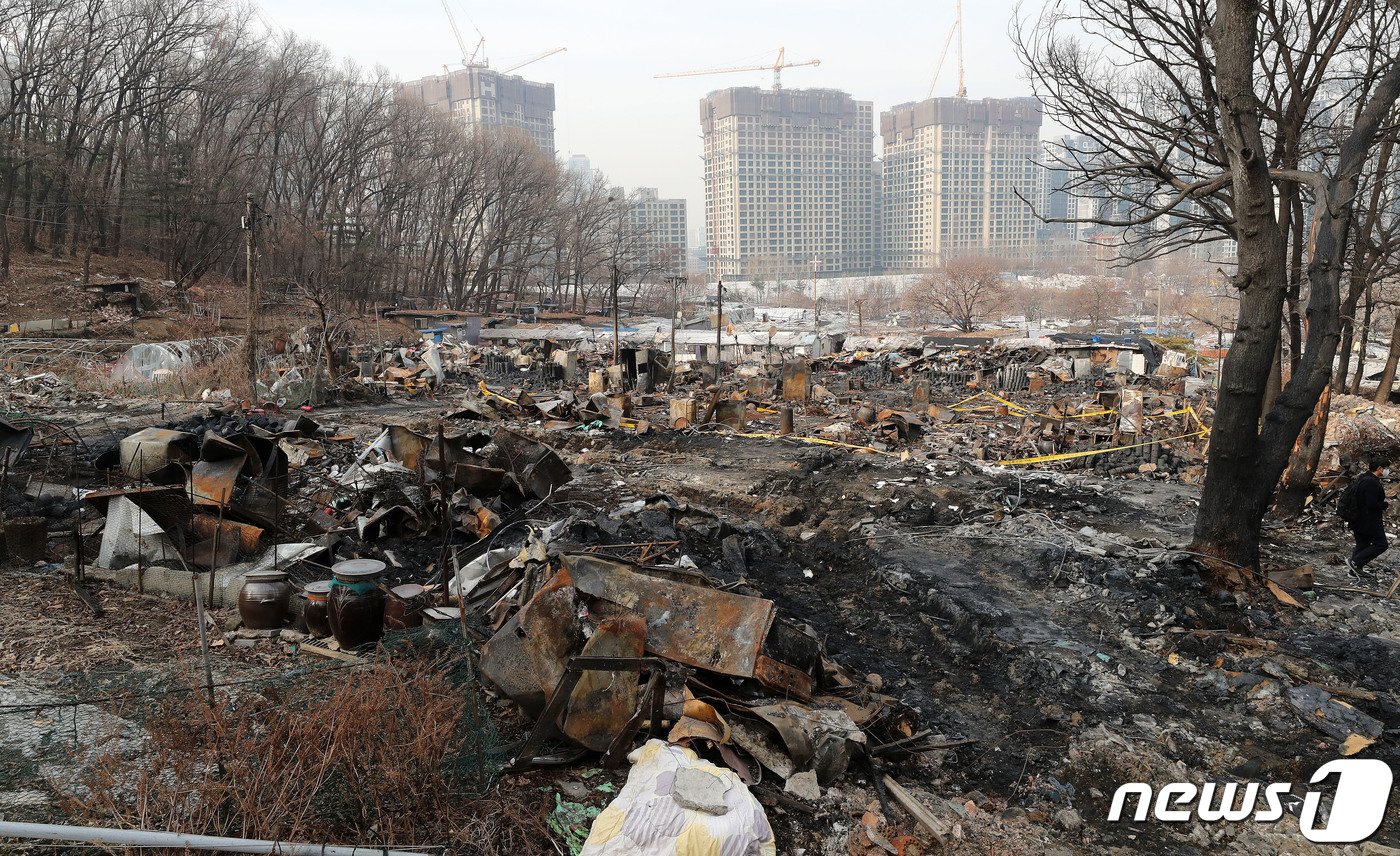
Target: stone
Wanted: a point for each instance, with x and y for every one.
(1012, 814)
(804, 786)
(1068, 819)
(698, 789)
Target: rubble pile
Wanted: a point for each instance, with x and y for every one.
(916, 592)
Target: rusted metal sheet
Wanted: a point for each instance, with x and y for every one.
(245, 536)
(782, 677)
(795, 380)
(149, 449)
(701, 627)
(407, 445)
(212, 482)
(527, 656)
(602, 703)
(735, 414)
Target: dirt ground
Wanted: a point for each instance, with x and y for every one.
(1040, 617)
(1045, 622)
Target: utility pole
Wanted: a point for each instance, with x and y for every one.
(617, 351)
(250, 343)
(675, 281)
(719, 330)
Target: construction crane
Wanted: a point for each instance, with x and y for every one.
(468, 59)
(957, 29)
(777, 66)
(532, 59)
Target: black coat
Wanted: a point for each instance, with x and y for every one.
(1370, 500)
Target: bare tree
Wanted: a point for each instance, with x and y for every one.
(1098, 300)
(1170, 95)
(965, 291)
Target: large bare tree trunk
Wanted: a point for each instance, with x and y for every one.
(1297, 484)
(1244, 467)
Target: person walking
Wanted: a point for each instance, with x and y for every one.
(1368, 505)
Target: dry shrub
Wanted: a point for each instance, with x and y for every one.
(228, 371)
(392, 754)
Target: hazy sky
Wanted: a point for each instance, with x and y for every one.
(646, 132)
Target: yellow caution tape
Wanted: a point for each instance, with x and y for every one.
(1011, 405)
(486, 391)
(1065, 456)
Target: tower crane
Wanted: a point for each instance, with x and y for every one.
(957, 29)
(468, 59)
(776, 66)
(533, 59)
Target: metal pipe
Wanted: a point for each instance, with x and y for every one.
(154, 838)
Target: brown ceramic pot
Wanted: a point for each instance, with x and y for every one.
(263, 600)
(405, 609)
(317, 611)
(356, 605)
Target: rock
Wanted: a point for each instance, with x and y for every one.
(804, 786)
(697, 789)
(576, 791)
(1068, 819)
(1012, 814)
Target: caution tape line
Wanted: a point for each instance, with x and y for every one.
(1065, 456)
(486, 391)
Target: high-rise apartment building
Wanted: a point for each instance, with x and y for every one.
(957, 177)
(578, 165)
(481, 97)
(789, 180)
(662, 222)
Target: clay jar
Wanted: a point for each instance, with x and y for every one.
(356, 605)
(317, 611)
(263, 600)
(405, 609)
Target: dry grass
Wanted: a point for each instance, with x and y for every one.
(385, 755)
(224, 372)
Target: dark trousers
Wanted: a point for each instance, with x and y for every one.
(1370, 543)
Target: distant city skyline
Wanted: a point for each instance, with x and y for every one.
(645, 132)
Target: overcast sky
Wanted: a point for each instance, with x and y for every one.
(645, 132)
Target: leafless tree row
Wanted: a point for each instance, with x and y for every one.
(140, 126)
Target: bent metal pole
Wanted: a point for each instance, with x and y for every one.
(153, 838)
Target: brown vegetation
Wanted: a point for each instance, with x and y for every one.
(964, 292)
(391, 754)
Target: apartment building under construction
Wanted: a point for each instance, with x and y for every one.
(482, 97)
(789, 176)
(957, 177)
